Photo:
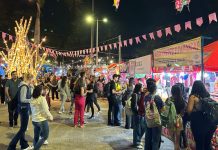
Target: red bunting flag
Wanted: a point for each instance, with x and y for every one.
(212, 17)
(3, 35)
(120, 44)
(188, 25)
(93, 50)
(87, 51)
(168, 31)
(102, 48)
(130, 41)
(152, 36)
(125, 43)
(110, 46)
(144, 37)
(159, 33)
(84, 52)
(10, 38)
(177, 28)
(199, 21)
(105, 47)
(137, 39)
(115, 45)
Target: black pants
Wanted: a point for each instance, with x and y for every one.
(110, 111)
(13, 112)
(20, 136)
(202, 131)
(89, 104)
(2, 95)
(183, 136)
(54, 92)
(96, 103)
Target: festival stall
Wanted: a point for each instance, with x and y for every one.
(140, 67)
(182, 63)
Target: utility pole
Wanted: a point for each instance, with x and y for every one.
(97, 42)
(92, 26)
(120, 56)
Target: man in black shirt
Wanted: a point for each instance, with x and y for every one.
(112, 99)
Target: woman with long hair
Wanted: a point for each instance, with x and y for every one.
(177, 99)
(54, 87)
(202, 130)
(80, 93)
(64, 93)
(40, 114)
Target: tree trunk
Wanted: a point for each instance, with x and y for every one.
(37, 23)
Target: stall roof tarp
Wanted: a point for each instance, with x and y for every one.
(211, 57)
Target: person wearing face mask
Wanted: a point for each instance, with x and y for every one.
(24, 96)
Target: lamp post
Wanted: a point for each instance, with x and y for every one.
(91, 19)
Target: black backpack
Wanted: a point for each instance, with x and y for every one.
(210, 110)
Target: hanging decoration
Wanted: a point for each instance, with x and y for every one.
(21, 57)
(179, 4)
(168, 31)
(116, 3)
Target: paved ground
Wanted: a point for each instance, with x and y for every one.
(95, 136)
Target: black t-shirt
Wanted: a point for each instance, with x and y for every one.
(79, 85)
(112, 87)
(90, 86)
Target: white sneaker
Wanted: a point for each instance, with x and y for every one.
(139, 147)
(28, 148)
(46, 142)
(86, 114)
(60, 112)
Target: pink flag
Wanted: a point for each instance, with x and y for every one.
(120, 44)
(3, 35)
(87, 51)
(144, 37)
(102, 48)
(90, 50)
(177, 28)
(105, 47)
(10, 38)
(125, 43)
(159, 33)
(188, 25)
(115, 45)
(168, 31)
(199, 21)
(152, 36)
(212, 17)
(81, 52)
(97, 49)
(110, 46)
(84, 52)
(130, 41)
(93, 50)
(137, 39)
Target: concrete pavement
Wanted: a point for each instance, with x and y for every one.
(95, 136)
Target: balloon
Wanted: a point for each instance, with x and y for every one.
(186, 77)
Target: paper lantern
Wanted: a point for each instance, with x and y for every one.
(116, 3)
(179, 4)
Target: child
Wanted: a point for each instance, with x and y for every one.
(45, 93)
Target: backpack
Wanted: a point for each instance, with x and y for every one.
(169, 115)
(152, 114)
(128, 107)
(107, 91)
(210, 110)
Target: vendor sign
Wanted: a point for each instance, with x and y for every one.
(187, 53)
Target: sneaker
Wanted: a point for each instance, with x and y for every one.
(46, 142)
(139, 147)
(60, 112)
(28, 148)
(86, 114)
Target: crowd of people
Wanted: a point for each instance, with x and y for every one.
(145, 111)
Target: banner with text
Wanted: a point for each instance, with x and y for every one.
(186, 53)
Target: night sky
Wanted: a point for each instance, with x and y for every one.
(64, 24)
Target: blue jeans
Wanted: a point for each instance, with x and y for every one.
(139, 129)
(40, 129)
(24, 118)
(117, 113)
(152, 138)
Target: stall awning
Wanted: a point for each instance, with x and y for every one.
(211, 57)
